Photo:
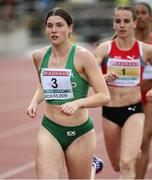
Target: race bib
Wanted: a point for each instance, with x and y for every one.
(127, 70)
(147, 74)
(56, 83)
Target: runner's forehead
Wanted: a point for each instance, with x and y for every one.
(123, 14)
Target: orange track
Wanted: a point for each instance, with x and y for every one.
(18, 132)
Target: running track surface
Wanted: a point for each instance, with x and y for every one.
(18, 132)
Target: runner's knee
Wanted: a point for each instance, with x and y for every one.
(127, 166)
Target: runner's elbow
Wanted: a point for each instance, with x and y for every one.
(106, 99)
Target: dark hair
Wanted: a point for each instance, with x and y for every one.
(114, 36)
(128, 8)
(146, 5)
(59, 12)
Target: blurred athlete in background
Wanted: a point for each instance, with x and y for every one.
(143, 33)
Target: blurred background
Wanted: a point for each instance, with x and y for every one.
(22, 22)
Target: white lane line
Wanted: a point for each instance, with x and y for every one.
(18, 130)
(31, 164)
(17, 170)
(28, 126)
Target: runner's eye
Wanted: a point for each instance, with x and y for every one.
(126, 21)
(118, 21)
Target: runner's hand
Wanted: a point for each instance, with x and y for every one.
(70, 107)
(110, 77)
(149, 96)
(31, 110)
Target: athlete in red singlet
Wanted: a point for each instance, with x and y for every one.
(123, 117)
(126, 64)
(144, 14)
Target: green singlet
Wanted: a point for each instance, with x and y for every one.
(79, 85)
